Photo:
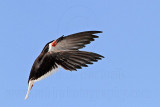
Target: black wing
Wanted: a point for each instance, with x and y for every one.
(75, 41)
(69, 60)
(73, 60)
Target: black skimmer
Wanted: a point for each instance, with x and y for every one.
(63, 52)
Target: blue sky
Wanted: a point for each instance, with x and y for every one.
(127, 77)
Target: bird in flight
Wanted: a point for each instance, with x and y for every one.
(63, 52)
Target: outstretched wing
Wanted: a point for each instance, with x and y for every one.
(74, 41)
(72, 60)
(69, 60)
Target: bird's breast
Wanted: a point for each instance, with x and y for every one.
(50, 72)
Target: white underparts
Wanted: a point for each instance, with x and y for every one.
(47, 74)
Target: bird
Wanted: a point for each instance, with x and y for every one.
(63, 53)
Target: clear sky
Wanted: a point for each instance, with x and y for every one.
(128, 76)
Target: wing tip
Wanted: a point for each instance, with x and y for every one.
(94, 31)
(99, 31)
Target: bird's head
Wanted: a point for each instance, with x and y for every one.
(30, 85)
